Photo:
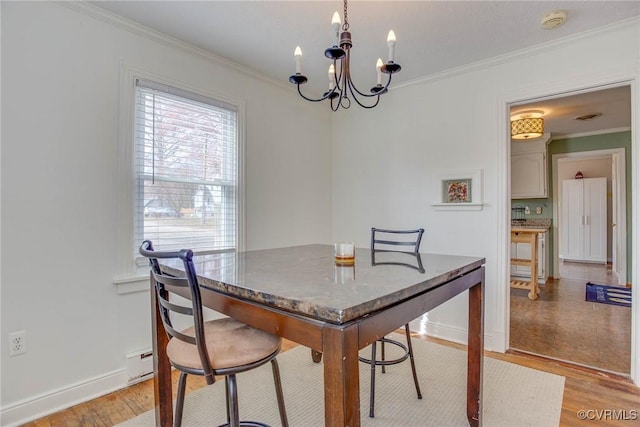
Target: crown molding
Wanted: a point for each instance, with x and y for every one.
(140, 30)
(592, 133)
(520, 54)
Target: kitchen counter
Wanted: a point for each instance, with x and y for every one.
(525, 229)
(539, 225)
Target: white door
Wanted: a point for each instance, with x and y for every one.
(584, 220)
(572, 239)
(595, 219)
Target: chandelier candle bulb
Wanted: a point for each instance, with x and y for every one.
(335, 24)
(298, 55)
(379, 71)
(332, 77)
(391, 42)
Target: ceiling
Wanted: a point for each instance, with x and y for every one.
(432, 37)
(561, 113)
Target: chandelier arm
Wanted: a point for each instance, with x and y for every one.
(382, 90)
(355, 97)
(366, 95)
(327, 95)
(335, 107)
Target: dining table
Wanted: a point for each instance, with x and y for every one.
(335, 309)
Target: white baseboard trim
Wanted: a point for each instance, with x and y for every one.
(456, 335)
(22, 412)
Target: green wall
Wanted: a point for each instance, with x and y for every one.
(576, 145)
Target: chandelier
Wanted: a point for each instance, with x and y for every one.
(341, 87)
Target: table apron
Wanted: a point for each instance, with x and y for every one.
(297, 328)
(308, 332)
(389, 319)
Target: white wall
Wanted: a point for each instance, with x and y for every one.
(384, 159)
(61, 198)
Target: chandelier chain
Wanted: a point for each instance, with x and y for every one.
(345, 26)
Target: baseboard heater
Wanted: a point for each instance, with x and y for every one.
(139, 366)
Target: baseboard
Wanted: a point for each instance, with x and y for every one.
(457, 335)
(22, 412)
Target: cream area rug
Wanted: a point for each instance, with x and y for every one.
(513, 396)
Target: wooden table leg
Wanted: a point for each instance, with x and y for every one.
(316, 356)
(475, 352)
(162, 382)
(341, 377)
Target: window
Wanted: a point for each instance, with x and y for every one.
(186, 162)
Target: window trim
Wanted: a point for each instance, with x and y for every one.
(130, 270)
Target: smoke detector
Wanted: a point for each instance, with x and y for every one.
(553, 19)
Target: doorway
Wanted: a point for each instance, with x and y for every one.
(609, 164)
(560, 324)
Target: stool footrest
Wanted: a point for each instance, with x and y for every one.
(402, 358)
(247, 424)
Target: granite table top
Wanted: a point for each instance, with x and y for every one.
(305, 280)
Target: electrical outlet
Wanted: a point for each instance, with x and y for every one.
(527, 210)
(17, 343)
(539, 210)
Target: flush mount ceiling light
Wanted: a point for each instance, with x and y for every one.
(527, 125)
(341, 87)
(553, 19)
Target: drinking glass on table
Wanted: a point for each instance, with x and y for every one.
(344, 253)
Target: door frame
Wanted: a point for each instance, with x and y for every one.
(615, 155)
(527, 94)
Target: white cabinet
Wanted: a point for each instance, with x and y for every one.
(528, 170)
(528, 175)
(583, 220)
(523, 251)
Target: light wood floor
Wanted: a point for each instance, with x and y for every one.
(585, 389)
(562, 325)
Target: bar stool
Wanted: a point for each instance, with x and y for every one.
(221, 347)
(381, 241)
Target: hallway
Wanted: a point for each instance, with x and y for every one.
(562, 325)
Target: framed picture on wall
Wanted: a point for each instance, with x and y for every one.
(459, 189)
(456, 190)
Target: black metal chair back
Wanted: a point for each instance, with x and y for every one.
(166, 285)
(395, 240)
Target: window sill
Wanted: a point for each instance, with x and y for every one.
(132, 284)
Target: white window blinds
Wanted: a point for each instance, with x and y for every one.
(186, 162)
